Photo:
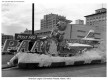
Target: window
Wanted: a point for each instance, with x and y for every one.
(102, 16)
(99, 17)
(81, 31)
(90, 23)
(97, 38)
(93, 22)
(90, 18)
(97, 33)
(96, 17)
(87, 23)
(87, 19)
(80, 36)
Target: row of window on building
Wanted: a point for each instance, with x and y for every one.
(95, 22)
(97, 18)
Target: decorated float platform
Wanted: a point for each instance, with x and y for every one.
(23, 60)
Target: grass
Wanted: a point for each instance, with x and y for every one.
(6, 58)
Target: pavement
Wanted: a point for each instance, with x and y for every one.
(92, 70)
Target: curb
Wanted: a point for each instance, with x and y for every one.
(7, 66)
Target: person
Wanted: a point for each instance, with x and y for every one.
(57, 33)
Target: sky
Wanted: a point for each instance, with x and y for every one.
(17, 16)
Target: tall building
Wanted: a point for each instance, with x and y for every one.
(97, 19)
(80, 22)
(50, 20)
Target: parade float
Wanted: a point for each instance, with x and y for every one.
(52, 50)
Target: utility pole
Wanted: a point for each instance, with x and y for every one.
(32, 18)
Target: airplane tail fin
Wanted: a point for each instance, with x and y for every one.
(90, 34)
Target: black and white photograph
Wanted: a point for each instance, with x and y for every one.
(57, 39)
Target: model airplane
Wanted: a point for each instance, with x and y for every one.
(71, 49)
(89, 37)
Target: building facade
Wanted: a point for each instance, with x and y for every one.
(75, 31)
(50, 21)
(5, 37)
(39, 33)
(80, 22)
(98, 20)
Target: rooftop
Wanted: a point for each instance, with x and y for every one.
(98, 11)
(94, 14)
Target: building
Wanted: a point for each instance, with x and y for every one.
(98, 20)
(76, 31)
(50, 21)
(39, 33)
(5, 37)
(80, 22)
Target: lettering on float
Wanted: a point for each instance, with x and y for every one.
(23, 46)
(38, 45)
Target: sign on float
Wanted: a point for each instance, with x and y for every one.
(24, 44)
(25, 37)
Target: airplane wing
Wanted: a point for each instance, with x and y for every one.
(78, 45)
(92, 39)
(90, 36)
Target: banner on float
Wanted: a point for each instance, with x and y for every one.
(25, 37)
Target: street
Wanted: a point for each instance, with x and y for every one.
(94, 70)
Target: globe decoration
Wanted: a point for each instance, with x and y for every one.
(61, 25)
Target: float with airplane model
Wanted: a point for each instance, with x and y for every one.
(53, 51)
